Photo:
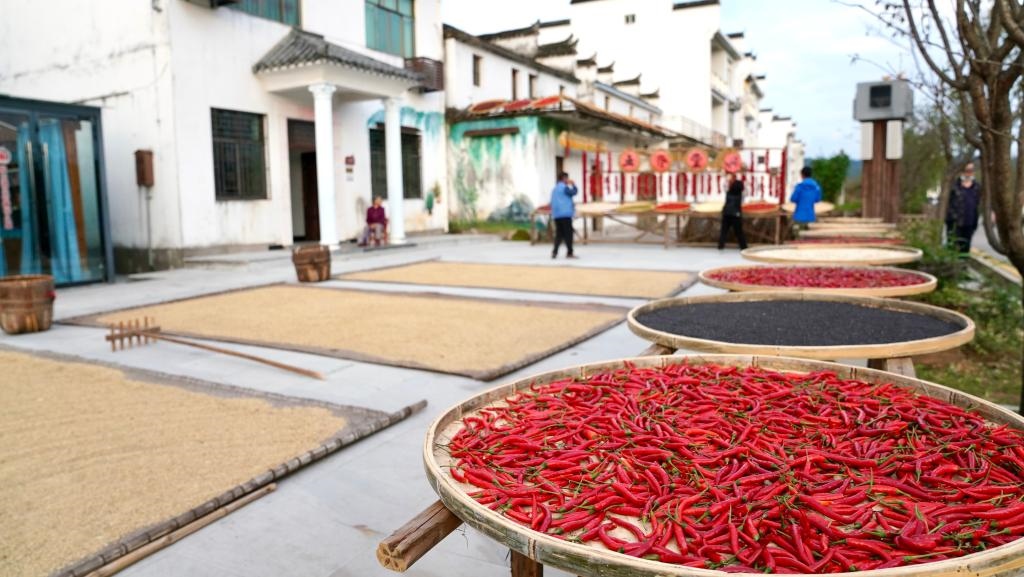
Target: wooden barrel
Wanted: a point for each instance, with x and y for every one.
(927, 283)
(586, 559)
(26, 303)
(830, 352)
(837, 255)
(312, 263)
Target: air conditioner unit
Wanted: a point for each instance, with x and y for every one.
(212, 4)
(431, 73)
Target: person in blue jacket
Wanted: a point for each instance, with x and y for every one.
(562, 211)
(805, 194)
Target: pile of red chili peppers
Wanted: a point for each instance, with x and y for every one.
(760, 207)
(745, 469)
(817, 277)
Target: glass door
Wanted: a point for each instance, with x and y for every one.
(53, 224)
(16, 173)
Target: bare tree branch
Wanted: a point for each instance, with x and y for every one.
(1011, 21)
(957, 82)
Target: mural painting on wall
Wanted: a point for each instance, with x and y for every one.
(629, 161)
(661, 160)
(696, 159)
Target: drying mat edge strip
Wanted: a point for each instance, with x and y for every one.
(378, 421)
(689, 280)
(482, 375)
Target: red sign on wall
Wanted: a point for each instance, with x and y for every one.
(629, 161)
(697, 159)
(661, 160)
(732, 162)
(5, 190)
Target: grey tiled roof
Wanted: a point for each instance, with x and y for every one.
(303, 48)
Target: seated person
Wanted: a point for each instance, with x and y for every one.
(376, 224)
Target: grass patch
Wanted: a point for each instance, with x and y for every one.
(505, 228)
(990, 365)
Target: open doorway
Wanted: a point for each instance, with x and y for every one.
(302, 162)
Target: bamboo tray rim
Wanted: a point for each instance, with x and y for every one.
(900, 254)
(928, 285)
(830, 352)
(592, 560)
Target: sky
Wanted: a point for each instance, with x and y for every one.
(804, 47)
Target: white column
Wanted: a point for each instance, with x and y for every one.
(324, 115)
(393, 157)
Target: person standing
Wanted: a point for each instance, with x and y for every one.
(732, 213)
(805, 194)
(962, 212)
(562, 211)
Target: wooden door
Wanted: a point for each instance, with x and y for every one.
(310, 200)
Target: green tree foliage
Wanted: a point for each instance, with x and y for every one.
(924, 163)
(831, 174)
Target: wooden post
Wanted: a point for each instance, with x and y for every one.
(881, 179)
(523, 566)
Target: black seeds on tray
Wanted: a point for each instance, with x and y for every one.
(795, 323)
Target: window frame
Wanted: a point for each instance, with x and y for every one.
(219, 159)
(412, 188)
(380, 16)
(531, 86)
(257, 8)
(477, 69)
(515, 84)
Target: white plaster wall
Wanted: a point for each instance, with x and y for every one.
(119, 64)
(495, 77)
(343, 22)
(670, 47)
(214, 51)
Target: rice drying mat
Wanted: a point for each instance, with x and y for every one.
(476, 337)
(804, 325)
(591, 558)
(99, 461)
(923, 282)
(610, 282)
(817, 254)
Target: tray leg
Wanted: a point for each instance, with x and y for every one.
(406, 545)
(899, 365)
(523, 566)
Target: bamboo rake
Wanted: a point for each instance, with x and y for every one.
(146, 330)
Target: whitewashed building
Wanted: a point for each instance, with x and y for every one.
(521, 111)
(269, 121)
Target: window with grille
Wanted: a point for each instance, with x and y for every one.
(411, 164)
(390, 26)
(283, 11)
(239, 155)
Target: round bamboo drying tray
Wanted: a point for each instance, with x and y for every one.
(849, 232)
(707, 207)
(816, 254)
(927, 285)
(819, 207)
(852, 225)
(865, 351)
(595, 208)
(852, 219)
(851, 242)
(585, 559)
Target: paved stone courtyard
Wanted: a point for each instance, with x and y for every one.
(327, 519)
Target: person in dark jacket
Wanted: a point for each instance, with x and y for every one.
(962, 211)
(562, 212)
(732, 213)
